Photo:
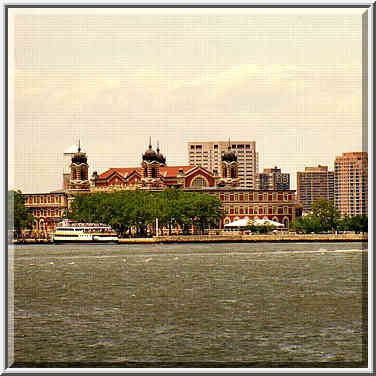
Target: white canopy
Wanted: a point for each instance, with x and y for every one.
(257, 222)
(266, 222)
(238, 223)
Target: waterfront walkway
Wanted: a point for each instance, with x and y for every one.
(270, 238)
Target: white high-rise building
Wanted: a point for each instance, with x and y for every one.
(208, 155)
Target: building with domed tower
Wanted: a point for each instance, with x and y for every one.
(154, 174)
(229, 168)
(79, 172)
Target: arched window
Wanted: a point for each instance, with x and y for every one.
(233, 175)
(225, 173)
(199, 182)
(286, 222)
(83, 173)
(73, 173)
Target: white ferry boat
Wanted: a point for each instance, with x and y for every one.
(71, 231)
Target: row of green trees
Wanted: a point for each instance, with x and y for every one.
(324, 218)
(18, 215)
(138, 210)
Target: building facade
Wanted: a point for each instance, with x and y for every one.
(279, 206)
(274, 179)
(351, 183)
(314, 183)
(155, 175)
(208, 155)
(47, 209)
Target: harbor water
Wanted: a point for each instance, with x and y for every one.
(189, 305)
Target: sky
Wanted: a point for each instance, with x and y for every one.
(289, 79)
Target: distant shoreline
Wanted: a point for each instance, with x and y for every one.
(311, 238)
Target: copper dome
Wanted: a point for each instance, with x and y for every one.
(229, 156)
(150, 155)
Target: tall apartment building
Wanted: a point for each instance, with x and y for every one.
(314, 183)
(351, 183)
(208, 155)
(274, 179)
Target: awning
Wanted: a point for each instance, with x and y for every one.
(256, 222)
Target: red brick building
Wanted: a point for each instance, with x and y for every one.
(46, 208)
(238, 202)
(155, 175)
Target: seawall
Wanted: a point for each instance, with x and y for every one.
(249, 238)
(229, 239)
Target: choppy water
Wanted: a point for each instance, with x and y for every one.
(251, 305)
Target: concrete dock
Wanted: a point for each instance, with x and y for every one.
(249, 238)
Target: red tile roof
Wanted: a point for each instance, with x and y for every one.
(172, 171)
(121, 171)
(167, 171)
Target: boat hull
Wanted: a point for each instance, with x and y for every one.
(91, 239)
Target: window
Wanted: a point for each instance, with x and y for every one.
(199, 182)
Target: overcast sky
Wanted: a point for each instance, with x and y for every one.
(291, 80)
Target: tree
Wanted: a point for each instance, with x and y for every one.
(307, 224)
(18, 215)
(139, 209)
(358, 223)
(206, 210)
(325, 212)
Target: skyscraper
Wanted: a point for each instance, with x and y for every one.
(314, 183)
(274, 179)
(351, 183)
(208, 155)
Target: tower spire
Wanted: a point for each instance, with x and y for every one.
(79, 145)
(158, 147)
(149, 142)
(229, 144)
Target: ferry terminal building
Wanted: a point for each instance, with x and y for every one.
(154, 174)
